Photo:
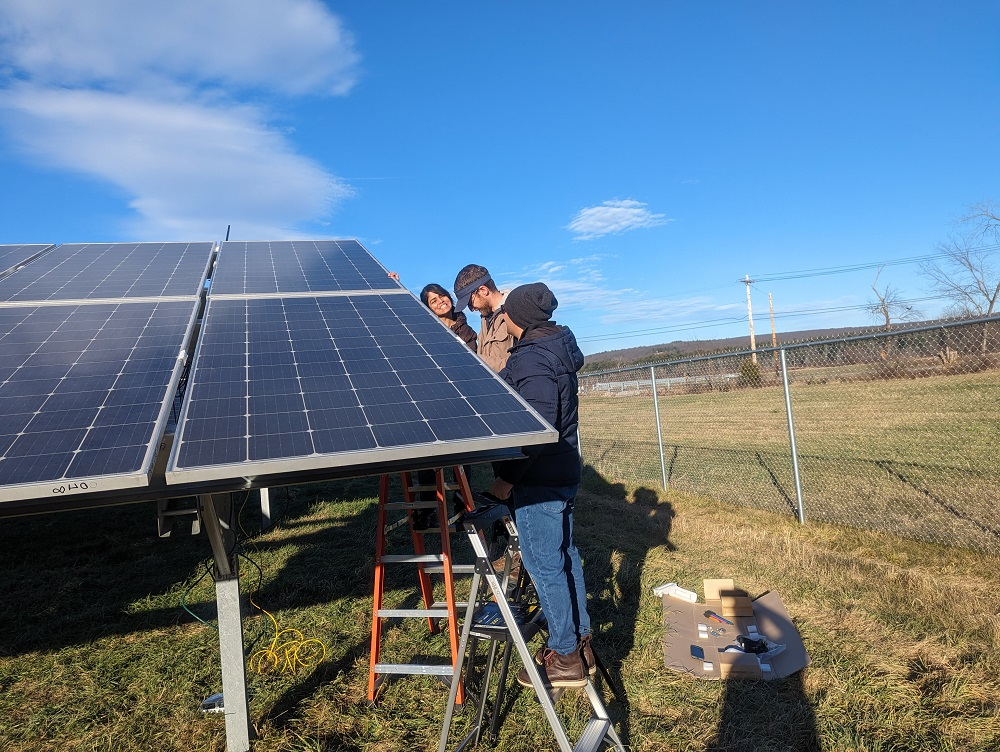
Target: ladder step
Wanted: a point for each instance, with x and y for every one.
(435, 612)
(434, 530)
(413, 668)
(593, 735)
(411, 559)
(447, 487)
(455, 569)
(442, 604)
(178, 512)
(404, 506)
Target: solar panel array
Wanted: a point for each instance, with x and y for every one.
(12, 255)
(95, 271)
(254, 268)
(286, 381)
(92, 341)
(310, 358)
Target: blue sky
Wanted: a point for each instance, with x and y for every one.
(640, 157)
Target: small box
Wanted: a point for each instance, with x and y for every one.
(675, 591)
(736, 603)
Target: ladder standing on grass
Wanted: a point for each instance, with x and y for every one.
(599, 729)
(427, 564)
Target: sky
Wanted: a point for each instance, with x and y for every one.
(640, 158)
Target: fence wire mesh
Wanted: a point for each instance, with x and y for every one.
(896, 431)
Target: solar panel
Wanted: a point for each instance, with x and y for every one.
(84, 393)
(305, 382)
(12, 255)
(283, 267)
(106, 271)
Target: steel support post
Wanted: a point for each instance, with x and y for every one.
(217, 515)
(791, 439)
(659, 431)
(265, 508)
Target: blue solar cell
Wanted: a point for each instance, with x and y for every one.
(89, 404)
(12, 255)
(110, 270)
(262, 267)
(325, 376)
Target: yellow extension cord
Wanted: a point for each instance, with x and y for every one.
(287, 657)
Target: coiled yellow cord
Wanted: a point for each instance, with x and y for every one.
(289, 656)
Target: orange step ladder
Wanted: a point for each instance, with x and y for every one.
(426, 563)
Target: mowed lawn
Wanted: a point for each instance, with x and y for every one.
(97, 653)
(913, 457)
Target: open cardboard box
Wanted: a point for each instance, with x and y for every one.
(696, 644)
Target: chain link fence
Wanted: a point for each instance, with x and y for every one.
(893, 431)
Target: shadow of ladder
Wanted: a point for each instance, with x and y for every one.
(426, 564)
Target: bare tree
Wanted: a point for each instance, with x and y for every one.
(968, 274)
(889, 305)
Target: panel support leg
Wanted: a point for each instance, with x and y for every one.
(217, 513)
(265, 508)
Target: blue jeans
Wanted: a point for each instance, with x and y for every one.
(544, 519)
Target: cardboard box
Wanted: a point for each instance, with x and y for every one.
(696, 644)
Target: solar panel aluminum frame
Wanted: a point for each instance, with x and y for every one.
(59, 492)
(365, 461)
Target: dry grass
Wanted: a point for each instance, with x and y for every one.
(904, 637)
(908, 457)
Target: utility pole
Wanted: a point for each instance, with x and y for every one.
(753, 341)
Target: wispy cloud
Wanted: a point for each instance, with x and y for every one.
(584, 292)
(152, 98)
(613, 218)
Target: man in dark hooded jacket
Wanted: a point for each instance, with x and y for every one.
(542, 368)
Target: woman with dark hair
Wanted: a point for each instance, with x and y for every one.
(441, 304)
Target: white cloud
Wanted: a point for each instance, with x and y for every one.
(141, 95)
(583, 291)
(612, 218)
(289, 46)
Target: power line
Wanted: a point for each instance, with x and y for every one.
(824, 271)
(632, 333)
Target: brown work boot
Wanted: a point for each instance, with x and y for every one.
(586, 650)
(587, 654)
(557, 670)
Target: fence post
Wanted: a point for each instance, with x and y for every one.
(659, 432)
(791, 439)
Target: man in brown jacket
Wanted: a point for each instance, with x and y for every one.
(474, 287)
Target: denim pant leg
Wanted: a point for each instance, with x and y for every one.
(544, 519)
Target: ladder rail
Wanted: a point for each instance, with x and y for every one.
(426, 564)
(597, 730)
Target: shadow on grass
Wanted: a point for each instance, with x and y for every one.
(615, 538)
(72, 577)
(766, 715)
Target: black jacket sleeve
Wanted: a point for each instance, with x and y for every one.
(532, 377)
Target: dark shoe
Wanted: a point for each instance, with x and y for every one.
(557, 671)
(515, 565)
(587, 654)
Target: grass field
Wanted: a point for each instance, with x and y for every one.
(97, 653)
(913, 457)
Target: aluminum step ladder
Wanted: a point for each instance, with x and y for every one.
(416, 504)
(518, 623)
